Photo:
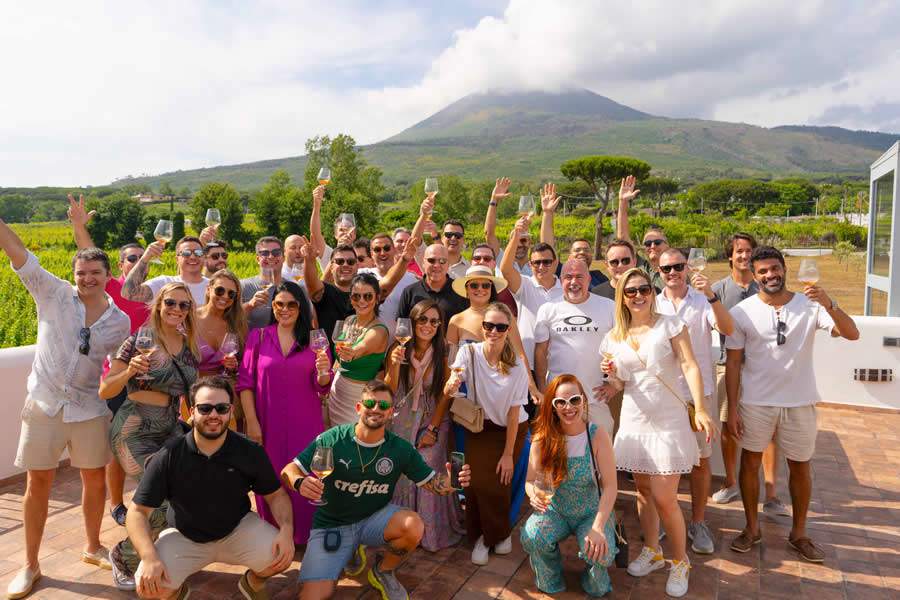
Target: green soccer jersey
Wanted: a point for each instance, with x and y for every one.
(364, 475)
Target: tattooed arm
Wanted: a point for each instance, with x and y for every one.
(440, 483)
(134, 287)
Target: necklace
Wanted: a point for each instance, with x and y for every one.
(359, 453)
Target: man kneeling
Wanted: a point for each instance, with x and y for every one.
(206, 476)
(355, 510)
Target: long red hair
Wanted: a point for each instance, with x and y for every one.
(548, 431)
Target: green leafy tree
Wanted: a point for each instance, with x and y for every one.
(730, 195)
(267, 205)
(16, 208)
(601, 174)
(224, 197)
(118, 218)
(295, 211)
(659, 190)
(185, 192)
(177, 226)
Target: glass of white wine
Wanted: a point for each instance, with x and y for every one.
(324, 176)
(431, 186)
(696, 260)
(163, 233)
(544, 489)
(267, 275)
(318, 341)
(526, 205)
(145, 344)
(808, 274)
(322, 465)
(347, 220)
(229, 349)
(403, 333)
(213, 217)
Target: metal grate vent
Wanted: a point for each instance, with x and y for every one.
(873, 374)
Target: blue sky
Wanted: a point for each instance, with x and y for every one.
(98, 90)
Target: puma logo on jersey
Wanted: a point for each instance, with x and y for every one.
(345, 462)
(367, 487)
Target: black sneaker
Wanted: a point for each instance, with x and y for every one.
(118, 513)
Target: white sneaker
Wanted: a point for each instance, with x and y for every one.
(480, 553)
(727, 494)
(648, 561)
(677, 585)
(504, 547)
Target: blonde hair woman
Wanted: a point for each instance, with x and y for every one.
(649, 356)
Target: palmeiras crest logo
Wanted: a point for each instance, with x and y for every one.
(384, 466)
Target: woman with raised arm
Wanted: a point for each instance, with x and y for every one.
(158, 365)
(497, 382)
(572, 488)
(649, 356)
(416, 375)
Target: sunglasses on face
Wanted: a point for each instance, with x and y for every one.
(573, 401)
(436, 261)
(643, 290)
(453, 235)
(361, 258)
(344, 261)
(183, 305)
(371, 403)
(133, 258)
(541, 262)
(478, 258)
(276, 253)
(678, 268)
(500, 327)
(649, 243)
(188, 253)
(290, 305)
(218, 256)
(84, 338)
(428, 320)
(367, 296)
(222, 408)
(221, 291)
(476, 285)
(380, 249)
(615, 262)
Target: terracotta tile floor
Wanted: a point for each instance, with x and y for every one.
(855, 515)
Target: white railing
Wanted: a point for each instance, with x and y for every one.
(835, 360)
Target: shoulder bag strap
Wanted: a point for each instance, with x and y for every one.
(472, 373)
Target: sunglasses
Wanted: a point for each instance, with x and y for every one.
(643, 290)
(188, 253)
(649, 243)
(380, 249)
(277, 252)
(475, 285)
(428, 320)
(678, 268)
(573, 401)
(619, 261)
(481, 258)
(218, 256)
(344, 261)
(371, 403)
(780, 329)
(436, 261)
(221, 291)
(84, 337)
(453, 235)
(500, 327)
(184, 305)
(133, 258)
(223, 408)
(542, 262)
(367, 296)
(290, 305)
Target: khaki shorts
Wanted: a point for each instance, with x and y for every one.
(706, 447)
(793, 429)
(599, 414)
(43, 439)
(721, 393)
(249, 545)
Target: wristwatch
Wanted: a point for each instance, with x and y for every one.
(492, 203)
(715, 298)
(297, 483)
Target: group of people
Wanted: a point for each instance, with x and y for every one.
(483, 380)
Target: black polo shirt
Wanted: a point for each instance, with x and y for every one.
(208, 496)
(450, 302)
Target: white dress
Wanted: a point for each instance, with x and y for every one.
(654, 436)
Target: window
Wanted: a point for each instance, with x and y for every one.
(881, 240)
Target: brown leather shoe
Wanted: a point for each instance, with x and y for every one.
(808, 550)
(745, 541)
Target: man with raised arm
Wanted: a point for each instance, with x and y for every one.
(654, 241)
(436, 285)
(78, 326)
(702, 311)
(357, 511)
(344, 233)
(257, 291)
(215, 257)
(331, 300)
(190, 261)
(523, 244)
(772, 391)
(580, 249)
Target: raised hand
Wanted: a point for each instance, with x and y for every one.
(412, 246)
(348, 238)
(549, 199)
(78, 215)
(431, 229)
(318, 194)
(701, 284)
(501, 189)
(427, 207)
(522, 225)
(627, 192)
(817, 294)
(209, 234)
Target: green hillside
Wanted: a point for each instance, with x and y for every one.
(528, 135)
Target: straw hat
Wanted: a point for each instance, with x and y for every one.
(478, 272)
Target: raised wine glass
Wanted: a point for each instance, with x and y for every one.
(347, 220)
(431, 186)
(403, 333)
(324, 176)
(318, 341)
(163, 233)
(213, 217)
(526, 205)
(322, 465)
(145, 344)
(696, 260)
(808, 274)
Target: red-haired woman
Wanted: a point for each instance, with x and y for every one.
(568, 455)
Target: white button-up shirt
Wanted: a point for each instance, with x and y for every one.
(61, 377)
(697, 313)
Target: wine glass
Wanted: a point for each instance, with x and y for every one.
(324, 176)
(526, 205)
(347, 221)
(318, 341)
(696, 260)
(403, 333)
(808, 274)
(296, 272)
(543, 486)
(163, 233)
(322, 465)
(229, 348)
(431, 186)
(213, 217)
(267, 274)
(144, 343)
(337, 335)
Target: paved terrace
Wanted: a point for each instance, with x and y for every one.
(855, 515)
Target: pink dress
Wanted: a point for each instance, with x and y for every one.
(288, 409)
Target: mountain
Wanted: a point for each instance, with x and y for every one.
(528, 135)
